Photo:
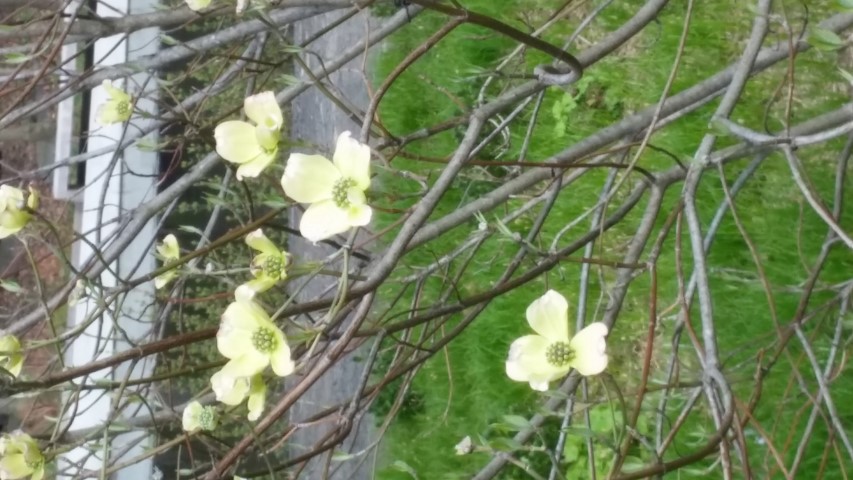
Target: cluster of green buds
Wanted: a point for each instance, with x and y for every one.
(199, 417)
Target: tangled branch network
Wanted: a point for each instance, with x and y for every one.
(441, 239)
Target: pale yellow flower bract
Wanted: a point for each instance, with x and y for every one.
(11, 356)
(233, 390)
(268, 266)
(14, 215)
(168, 251)
(118, 108)
(257, 397)
(552, 353)
(228, 389)
(334, 189)
(20, 457)
(252, 146)
(196, 5)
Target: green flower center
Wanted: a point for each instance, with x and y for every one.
(273, 266)
(34, 464)
(340, 192)
(123, 108)
(263, 339)
(559, 354)
(208, 418)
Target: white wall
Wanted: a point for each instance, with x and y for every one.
(114, 186)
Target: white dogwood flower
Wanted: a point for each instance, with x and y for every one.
(251, 340)
(335, 189)
(20, 457)
(269, 265)
(11, 356)
(197, 416)
(15, 209)
(168, 252)
(251, 146)
(232, 390)
(229, 389)
(551, 353)
(118, 108)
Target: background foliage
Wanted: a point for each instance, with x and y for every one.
(778, 277)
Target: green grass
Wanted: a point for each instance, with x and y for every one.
(464, 391)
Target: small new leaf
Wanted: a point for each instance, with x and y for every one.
(16, 58)
(405, 467)
(517, 422)
(192, 229)
(844, 73)
(571, 452)
(340, 456)
(147, 144)
(169, 40)
(11, 286)
(823, 39)
(718, 128)
(505, 444)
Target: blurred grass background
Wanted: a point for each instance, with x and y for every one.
(464, 391)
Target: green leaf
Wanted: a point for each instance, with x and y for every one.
(405, 468)
(845, 4)
(844, 73)
(191, 229)
(505, 444)
(292, 49)
(633, 463)
(340, 456)
(601, 419)
(517, 422)
(823, 39)
(11, 286)
(147, 144)
(163, 82)
(289, 80)
(580, 432)
(847, 322)
(118, 427)
(718, 128)
(16, 58)
(571, 452)
(558, 394)
(169, 40)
